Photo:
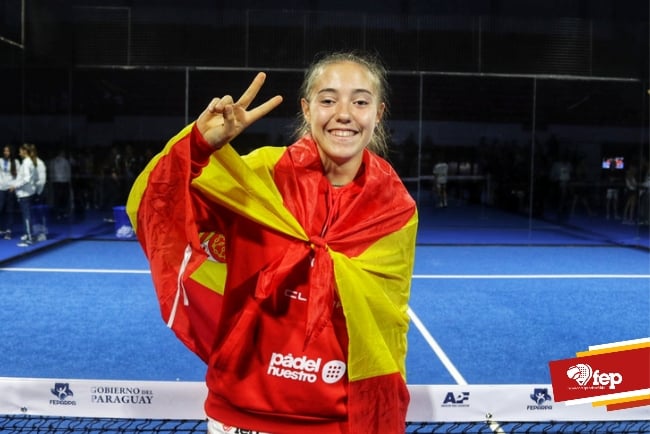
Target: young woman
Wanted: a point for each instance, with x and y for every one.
(8, 174)
(25, 188)
(288, 270)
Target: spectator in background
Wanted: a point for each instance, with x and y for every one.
(631, 196)
(61, 184)
(112, 181)
(25, 188)
(8, 175)
(39, 218)
(132, 167)
(611, 194)
(440, 171)
(41, 173)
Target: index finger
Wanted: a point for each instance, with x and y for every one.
(249, 94)
(261, 110)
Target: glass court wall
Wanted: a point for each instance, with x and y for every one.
(538, 119)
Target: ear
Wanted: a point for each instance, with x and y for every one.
(380, 111)
(304, 104)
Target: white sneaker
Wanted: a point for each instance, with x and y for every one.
(25, 243)
(41, 237)
(24, 237)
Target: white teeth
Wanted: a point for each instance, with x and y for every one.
(340, 133)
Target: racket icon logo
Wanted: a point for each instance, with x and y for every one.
(581, 373)
(333, 371)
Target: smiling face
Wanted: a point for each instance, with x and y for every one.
(342, 110)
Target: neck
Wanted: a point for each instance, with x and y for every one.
(341, 174)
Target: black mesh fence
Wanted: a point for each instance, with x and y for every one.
(41, 424)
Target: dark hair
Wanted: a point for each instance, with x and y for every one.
(12, 161)
(379, 141)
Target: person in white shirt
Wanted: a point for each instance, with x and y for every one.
(9, 166)
(25, 188)
(39, 216)
(440, 172)
(41, 171)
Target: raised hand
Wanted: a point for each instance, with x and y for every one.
(224, 119)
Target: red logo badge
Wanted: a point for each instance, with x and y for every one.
(614, 375)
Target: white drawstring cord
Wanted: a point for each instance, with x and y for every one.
(180, 288)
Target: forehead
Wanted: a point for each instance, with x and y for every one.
(345, 75)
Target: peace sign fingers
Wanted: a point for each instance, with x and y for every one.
(223, 119)
(249, 95)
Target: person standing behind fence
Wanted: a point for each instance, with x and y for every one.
(631, 196)
(308, 335)
(39, 218)
(61, 184)
(8, 174)
(611, 192)
(440, 173)
(25, 188)
(41, 173)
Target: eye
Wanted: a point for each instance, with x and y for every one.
(327, 101)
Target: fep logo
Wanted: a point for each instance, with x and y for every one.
(606, 375)
(582, 373)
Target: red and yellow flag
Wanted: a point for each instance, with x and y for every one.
(369, 255)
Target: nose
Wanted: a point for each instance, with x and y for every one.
(342, 113)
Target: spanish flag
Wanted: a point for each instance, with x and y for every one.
(368, 258)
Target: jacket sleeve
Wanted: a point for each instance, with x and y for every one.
(25, 176)
(166, 213)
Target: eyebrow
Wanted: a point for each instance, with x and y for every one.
(330, 89)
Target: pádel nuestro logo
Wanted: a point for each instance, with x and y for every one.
(305, 369)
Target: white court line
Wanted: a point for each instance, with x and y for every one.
(531, 276)
(74, 270)
(436, 348)
(433, 344)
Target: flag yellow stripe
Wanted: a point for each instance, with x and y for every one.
(245, 185)
(377, 328)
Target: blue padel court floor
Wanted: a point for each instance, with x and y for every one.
(480, 314)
